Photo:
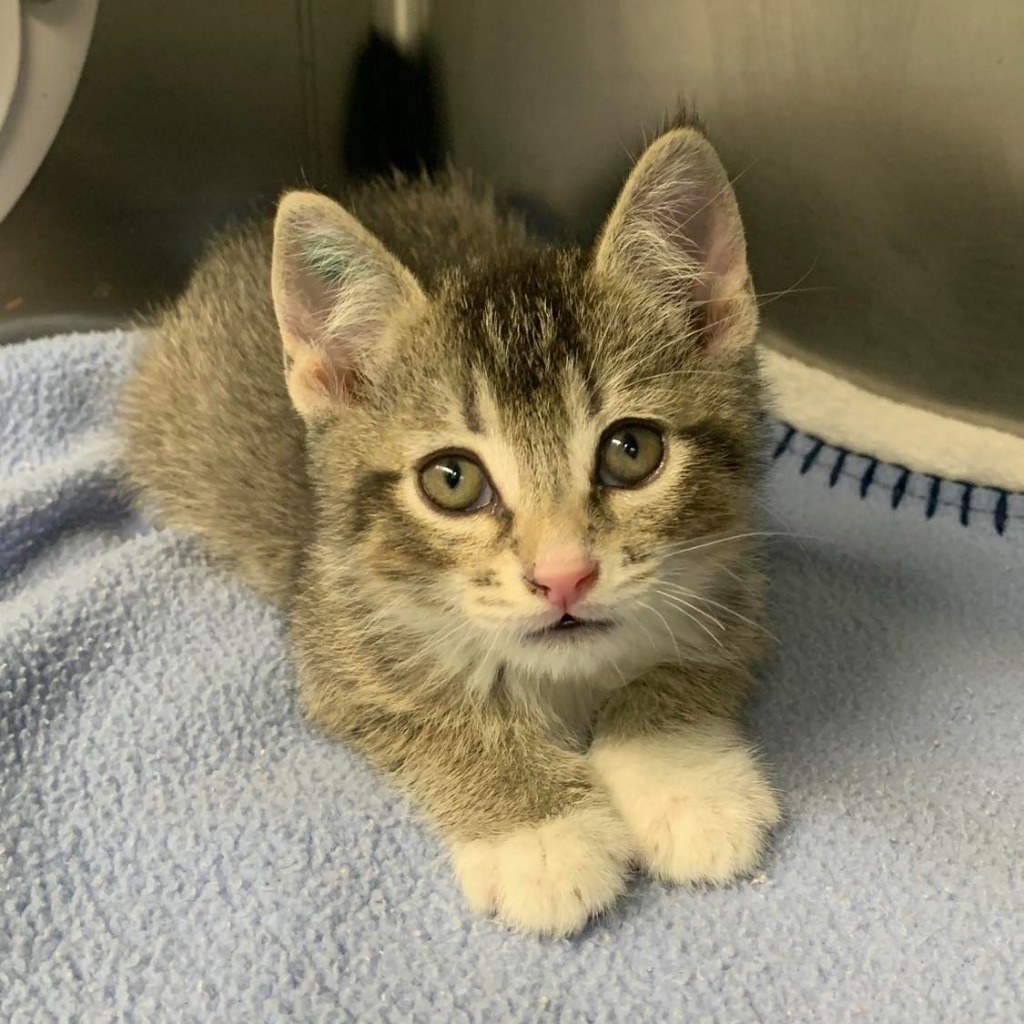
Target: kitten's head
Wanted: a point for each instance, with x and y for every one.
(531, 464)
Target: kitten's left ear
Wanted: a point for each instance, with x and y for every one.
(676, 232)
(336, 291)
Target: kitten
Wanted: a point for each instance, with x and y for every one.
(504, 493)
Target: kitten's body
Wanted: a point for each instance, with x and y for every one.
(420, 636)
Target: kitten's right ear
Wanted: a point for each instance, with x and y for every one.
(336, 289)
(676, 232)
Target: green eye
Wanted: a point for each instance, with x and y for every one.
(629, 454)
(455, 483)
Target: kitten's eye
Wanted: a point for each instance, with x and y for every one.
(629, 454)
(455, 483)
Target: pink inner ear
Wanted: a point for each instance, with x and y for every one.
(335, 380)
(715, 318)
(321, 378)
(305, 301)
(717, 294)
(695, 221)
(335, 289)
(316, 383)
(322, 367)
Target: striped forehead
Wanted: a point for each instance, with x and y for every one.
(539, 453)
(517, 324)
(525, 365)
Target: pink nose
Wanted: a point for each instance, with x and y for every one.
(564, 583)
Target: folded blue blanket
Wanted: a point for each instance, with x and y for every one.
(177, 845)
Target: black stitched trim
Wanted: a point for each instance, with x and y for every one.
(784, 443)
(811, 457)
(965, 504)
(933, 497)
(1000, 513)
(837, 467)
(900, 488)
(869, 477)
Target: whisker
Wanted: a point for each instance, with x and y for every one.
(683, 373)
(734, 537)
(618, 672)
(718, 195)
(721, 567)
(696, 621)
(647, 633)
(676, 599)
(370, 625)
(778, 294)
(437, 641)
(803, 277)
(718, 604)
(668, 629)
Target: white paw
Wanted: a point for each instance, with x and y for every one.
(551, 878)
(698, 806)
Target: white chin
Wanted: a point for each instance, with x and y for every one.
(571, 656)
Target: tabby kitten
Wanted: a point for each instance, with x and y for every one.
(504, 493)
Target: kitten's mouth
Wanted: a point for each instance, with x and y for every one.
(569, 627)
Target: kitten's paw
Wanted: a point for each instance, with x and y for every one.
(551, 878)
(697, 803)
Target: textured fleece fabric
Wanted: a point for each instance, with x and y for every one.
(177, 845)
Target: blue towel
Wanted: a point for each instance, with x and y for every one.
(176, 845)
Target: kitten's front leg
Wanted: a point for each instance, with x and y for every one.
(549, 877)
(533, 839)
(684, 779)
